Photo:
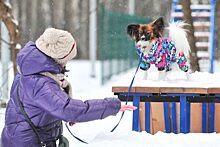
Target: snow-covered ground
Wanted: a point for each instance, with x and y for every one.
(97, 133)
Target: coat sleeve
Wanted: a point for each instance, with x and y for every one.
(49, 97)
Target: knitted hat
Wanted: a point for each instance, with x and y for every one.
(58, 44)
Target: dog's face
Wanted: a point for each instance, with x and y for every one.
(144, 34)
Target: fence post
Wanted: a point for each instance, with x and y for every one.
(93, 34)
(5, 59)
(212, 58)
(212, 36)
(131, 7)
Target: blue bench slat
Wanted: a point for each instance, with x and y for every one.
(184, 115)
(212, 117)
(166, 117)
(174, 120)
(136, 116)
(204, 117)
(147, 117)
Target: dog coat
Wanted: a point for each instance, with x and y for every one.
(163, 54)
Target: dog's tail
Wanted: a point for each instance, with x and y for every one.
(179, 36)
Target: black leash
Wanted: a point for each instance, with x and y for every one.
(129, 90)
(28, 120)
(74, 135)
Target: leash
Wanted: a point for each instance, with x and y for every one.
(129, 89)
(74, 135)
(28, 120)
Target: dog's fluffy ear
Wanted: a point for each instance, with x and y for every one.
(158, 26)
(132, 30)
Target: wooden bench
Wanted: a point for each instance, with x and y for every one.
(171, 96)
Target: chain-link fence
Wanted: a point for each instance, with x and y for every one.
(116, 50)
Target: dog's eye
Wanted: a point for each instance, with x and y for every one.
(148, 33)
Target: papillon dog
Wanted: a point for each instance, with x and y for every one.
(167, 54)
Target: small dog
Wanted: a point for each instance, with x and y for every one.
(163, 52)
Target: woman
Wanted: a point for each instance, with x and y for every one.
(40, 96)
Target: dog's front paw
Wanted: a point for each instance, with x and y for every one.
(144, 65)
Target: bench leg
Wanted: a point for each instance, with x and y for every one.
(166, 117)
(204, 117)
(174, 120)
(212, 118)
(184, 115)
(208, 120)
(147, 117)
(136, 114)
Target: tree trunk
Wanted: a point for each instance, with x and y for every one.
(217, 29)
(84, 31)
(33, 23)
(8, 19)
(23, 21)
(29, 19)
(72, 21)
(58, 14)
(188, 17)
(43, 16)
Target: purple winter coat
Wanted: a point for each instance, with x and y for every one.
(45, 103)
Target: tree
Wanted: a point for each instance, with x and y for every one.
(188, 17)
(57, 12)
(7, 17)
(217, 29)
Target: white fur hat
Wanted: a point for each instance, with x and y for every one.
(58, 44)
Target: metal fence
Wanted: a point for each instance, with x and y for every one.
(116, 50)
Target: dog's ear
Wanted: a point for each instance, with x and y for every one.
(158, 25)
(132, 30)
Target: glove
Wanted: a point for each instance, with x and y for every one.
(71, 123)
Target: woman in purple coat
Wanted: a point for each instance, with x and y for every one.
(41, 90)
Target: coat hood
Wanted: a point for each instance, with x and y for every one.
(30, 60)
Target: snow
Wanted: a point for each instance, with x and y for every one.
(143, 139)
(7, 4)
(175, 79)
(15, 22)
(18, 46)
(98, 134)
